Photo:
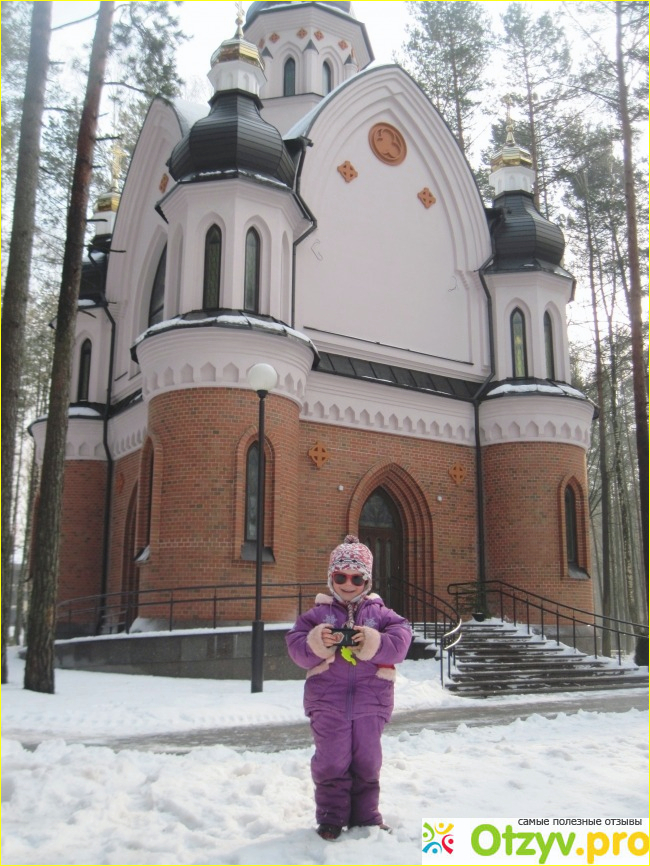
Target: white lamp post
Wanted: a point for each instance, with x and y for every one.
(262, 378)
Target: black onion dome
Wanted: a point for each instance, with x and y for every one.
(522, 237)
(255, 8)
(233, 137)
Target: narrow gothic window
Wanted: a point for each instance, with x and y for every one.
(289, 88)
(548, 346)
(212, 269)
(518, 340)
(252, 272)
(157, 300)
(327, 78)
(252, 461)
(84, 370)
(571, 523)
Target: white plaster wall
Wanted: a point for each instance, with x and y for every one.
(536, 418)
(380, 408)
(381, 268)
(200, 357)
(235, 206)
(286, 23)
(139, 238)
(92, 324)
(534, 293)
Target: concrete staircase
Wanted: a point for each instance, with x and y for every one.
(497, 658)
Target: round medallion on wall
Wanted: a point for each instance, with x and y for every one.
(387, 143)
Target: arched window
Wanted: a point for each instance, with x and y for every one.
(518, 343)
(84, 370)
(252, 462)
(289, 81)
(548, 346)
(157, 300)
(252, 272)
(212, 269)
(571, 524)
(327, 78)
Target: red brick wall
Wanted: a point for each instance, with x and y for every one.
(199, 439)
(82, 528)
(524, 518)
(440, 535)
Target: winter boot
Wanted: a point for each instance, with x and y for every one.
(328, 831)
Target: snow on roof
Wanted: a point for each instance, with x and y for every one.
(557, 389)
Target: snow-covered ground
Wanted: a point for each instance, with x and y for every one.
(68, 803)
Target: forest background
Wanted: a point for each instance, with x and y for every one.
(575, 76)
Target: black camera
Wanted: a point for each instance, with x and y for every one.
(346, 636)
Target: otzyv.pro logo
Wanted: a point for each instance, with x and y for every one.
(547, 841)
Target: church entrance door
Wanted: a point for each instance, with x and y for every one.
(380, 528)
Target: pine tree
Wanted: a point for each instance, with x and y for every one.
(616, 75)
(16, 287)
(447, 53)
(39, 668)
(538, 62)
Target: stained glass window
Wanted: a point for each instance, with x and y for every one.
(157, 301)
(548, 346)
(252, 272)
(289, 88)
(518, 338)
(212, 269)
(84, 370)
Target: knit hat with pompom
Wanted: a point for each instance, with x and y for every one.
(351, 554)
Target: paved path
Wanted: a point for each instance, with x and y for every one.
(275, 738)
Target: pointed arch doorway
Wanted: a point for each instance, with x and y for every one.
(381, 529)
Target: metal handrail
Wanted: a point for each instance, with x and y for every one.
(552, 609)
(436, 615)
(100, 607)
(440, 620)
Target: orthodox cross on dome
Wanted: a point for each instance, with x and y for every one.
(117, 158)
(240, 20)
(510, 127)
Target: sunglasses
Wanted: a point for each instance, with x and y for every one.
(356, 579)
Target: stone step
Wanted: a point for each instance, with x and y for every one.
(499, 659)
(514, 676)
(552, 664)
(502, 687)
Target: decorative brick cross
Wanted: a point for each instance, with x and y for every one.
(319, 454)
(458, 472)
(347, 171)
(427, 197)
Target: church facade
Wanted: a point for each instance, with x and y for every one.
(318, 216)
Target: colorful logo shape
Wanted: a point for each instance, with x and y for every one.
(437, 838)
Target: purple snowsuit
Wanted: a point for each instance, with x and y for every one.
(348, 705)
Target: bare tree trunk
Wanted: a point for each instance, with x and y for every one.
(39, 669)
(602, 436)
(16, 292)
(634, 294)
(23, 586)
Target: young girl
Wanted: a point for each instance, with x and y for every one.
(349, 688)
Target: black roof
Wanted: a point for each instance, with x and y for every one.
(521, 236)
(233, 136)
(255, 8)
(400, 377)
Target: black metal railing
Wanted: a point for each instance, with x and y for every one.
(523, 606)
(115, 612)
(433, 618)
